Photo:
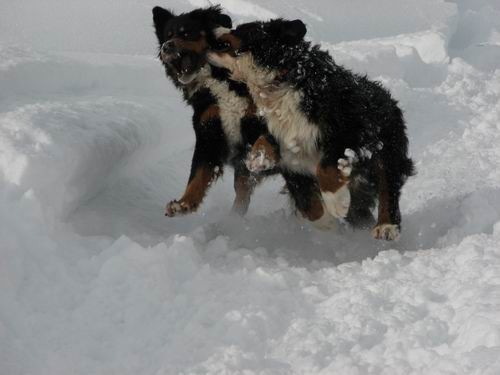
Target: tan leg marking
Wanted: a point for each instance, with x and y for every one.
(233, 41)
(315, 211)
(330, 178)
(334, 190)
(194, 194)
(243, 187)
(210, 113)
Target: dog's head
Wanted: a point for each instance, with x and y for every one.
(265, 45)
(185, 38)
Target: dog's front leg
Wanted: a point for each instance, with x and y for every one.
(210, 153)
(198, 184)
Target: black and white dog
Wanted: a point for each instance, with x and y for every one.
(338, 128)
(224, 120)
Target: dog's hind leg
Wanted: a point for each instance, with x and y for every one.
(333, 183)
(362, 202)
(244, 185)
(389, 216)
(392, 168)
(306, 196)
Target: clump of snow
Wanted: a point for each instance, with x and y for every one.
(94, 140)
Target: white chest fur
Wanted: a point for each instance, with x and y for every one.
(280, 105)
(232, 108)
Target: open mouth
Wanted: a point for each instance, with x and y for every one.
(186, 78)
(185, 65)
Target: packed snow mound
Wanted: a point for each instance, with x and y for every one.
(94, 141)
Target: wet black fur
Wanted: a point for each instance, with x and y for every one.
(350, 110)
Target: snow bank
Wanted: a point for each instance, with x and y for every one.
(94, 140)
(126, 26)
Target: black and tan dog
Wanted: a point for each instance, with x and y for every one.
(340, 129)
(224, 119)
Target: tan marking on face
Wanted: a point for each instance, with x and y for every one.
(330, 179)
(262, 145)
(198, 46)
(212, 112)
(232, 40)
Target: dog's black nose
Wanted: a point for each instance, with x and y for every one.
(168, 46)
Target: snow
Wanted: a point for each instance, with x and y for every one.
(94, 141)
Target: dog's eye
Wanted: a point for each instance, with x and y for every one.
(223, 46)
(190, 34)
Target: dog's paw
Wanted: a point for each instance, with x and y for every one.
(258, 161)
(177, 208)
(337, 203)
(345, 164)
(387, 232)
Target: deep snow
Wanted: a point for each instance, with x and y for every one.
(94, 141)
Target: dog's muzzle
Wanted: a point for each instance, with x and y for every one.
(168, 51)
(168, 47)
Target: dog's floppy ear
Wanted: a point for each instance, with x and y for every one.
(160, 18)
(290, 31)
(224, 20)
(216, 18)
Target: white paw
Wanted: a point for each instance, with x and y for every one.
(258, 161)
(176, 208)
(388, 232)
(345, 164)
(337, 203)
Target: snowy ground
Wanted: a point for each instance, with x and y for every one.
(94, 141)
